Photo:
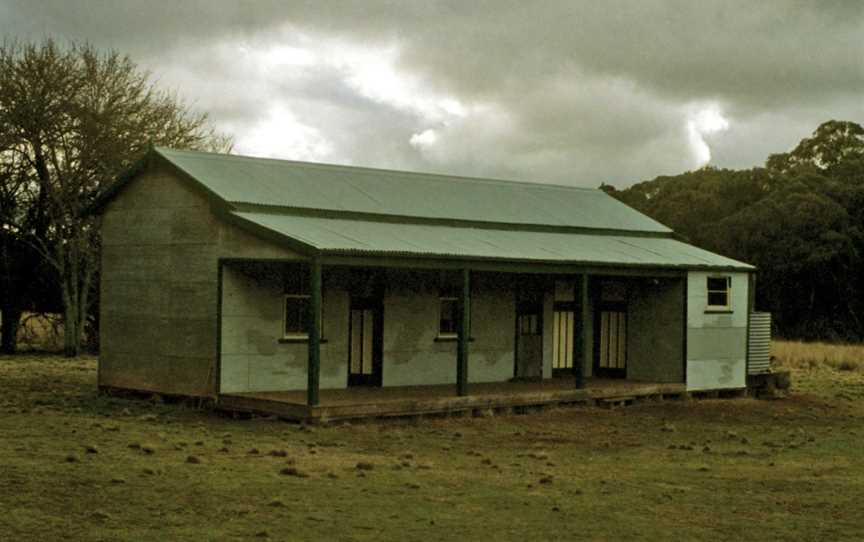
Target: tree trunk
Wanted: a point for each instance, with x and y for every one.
(77, 281)
(71, 342)
(9, 329)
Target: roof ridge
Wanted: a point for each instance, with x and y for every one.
(434, 176)
(363, 216)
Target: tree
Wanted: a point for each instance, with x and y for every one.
(833, 143)
(72, 120)
(800, 220)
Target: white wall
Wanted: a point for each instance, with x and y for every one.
(413, 357)
(253, 359)
(716, 342)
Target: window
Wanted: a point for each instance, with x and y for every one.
(296, 316)
(296, 307)
(449, 288)
(449, 316)
(448, 305)
(719, 293)
(529, 324)
(563, 329)
(565, 290)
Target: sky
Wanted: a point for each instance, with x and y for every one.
(568, 92)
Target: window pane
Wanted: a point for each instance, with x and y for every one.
(564, 290)
(296, 315)
(717, 283)
(447, 322)
(718, 299)
(562, 340)
(297, 281)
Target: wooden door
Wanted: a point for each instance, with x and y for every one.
(365, 343)
(529, 341)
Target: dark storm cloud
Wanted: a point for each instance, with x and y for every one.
(575, 92)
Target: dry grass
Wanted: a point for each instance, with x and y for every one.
(40, 332)
(690, 470)
(809, 356)
(827, 370)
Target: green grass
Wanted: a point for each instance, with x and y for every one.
(756, 470)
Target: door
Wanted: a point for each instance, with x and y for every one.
(610, 359)
(563, 340)
(529, 341)
(365, 343)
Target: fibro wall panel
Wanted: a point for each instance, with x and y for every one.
(716, 342)
(493, 313)
(140, 299)
(172, 375)
(160, 188)
(193, 300)
(655, 330)
(133, 262)
(412, 356)
(252, 358)
(188, 338)
(158, 287)
(161, 244)
(128, 334)
(411, 320)
(136, 226)
(235, 242)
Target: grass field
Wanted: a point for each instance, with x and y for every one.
(78, 466)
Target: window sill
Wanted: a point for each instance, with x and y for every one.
(719, 311)
(450, 339)
(294, 340)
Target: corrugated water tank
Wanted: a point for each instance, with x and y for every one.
(759, 343)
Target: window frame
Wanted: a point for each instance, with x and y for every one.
(304, 335)
(448, 297)
(727, 291)
(297, 336)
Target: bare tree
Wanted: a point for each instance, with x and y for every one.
(72, 120)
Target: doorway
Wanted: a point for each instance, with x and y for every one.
(610, 359)
(529, 340)
(365, 342)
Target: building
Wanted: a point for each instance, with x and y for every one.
(228, 277)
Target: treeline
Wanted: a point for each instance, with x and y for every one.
(799, 219)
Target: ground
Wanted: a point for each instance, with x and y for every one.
(75, 465)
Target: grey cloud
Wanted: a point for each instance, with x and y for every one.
(589, 91)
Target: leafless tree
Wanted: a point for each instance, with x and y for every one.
(72, 119)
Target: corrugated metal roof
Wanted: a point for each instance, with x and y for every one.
(289, 184)
(345, 236)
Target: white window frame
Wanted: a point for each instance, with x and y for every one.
(728, 291)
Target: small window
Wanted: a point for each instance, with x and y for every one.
(719, 293)
(296, 316)
(565, 290)
(529, 324)
(448, 317)
(295, 307)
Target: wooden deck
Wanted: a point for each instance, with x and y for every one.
(356, 403)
